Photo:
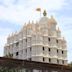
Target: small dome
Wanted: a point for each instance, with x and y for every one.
(29, 26)
(52, 20)
(58, 30)
(43, 20)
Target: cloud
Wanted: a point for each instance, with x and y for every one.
(49, 4)
(65, 23)
(3, 36)
(24, 10)
(7, 2)
(9, 25)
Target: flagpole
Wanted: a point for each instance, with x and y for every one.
(39, 10)
(40, 14)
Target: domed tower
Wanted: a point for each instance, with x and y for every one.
(53, 23)
(43, 23)
(52, 26)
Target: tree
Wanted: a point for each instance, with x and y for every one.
(70, 64)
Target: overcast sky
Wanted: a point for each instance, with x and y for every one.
(14, 13)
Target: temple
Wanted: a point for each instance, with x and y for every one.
(40, 42)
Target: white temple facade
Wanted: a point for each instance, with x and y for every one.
(40, 41)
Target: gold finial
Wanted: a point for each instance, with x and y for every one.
(44, 13)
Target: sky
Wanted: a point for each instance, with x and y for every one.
(14, 14)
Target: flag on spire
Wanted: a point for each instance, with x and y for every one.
(38, 9)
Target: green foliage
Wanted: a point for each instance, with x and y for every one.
(70, 64)
(7, 70)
